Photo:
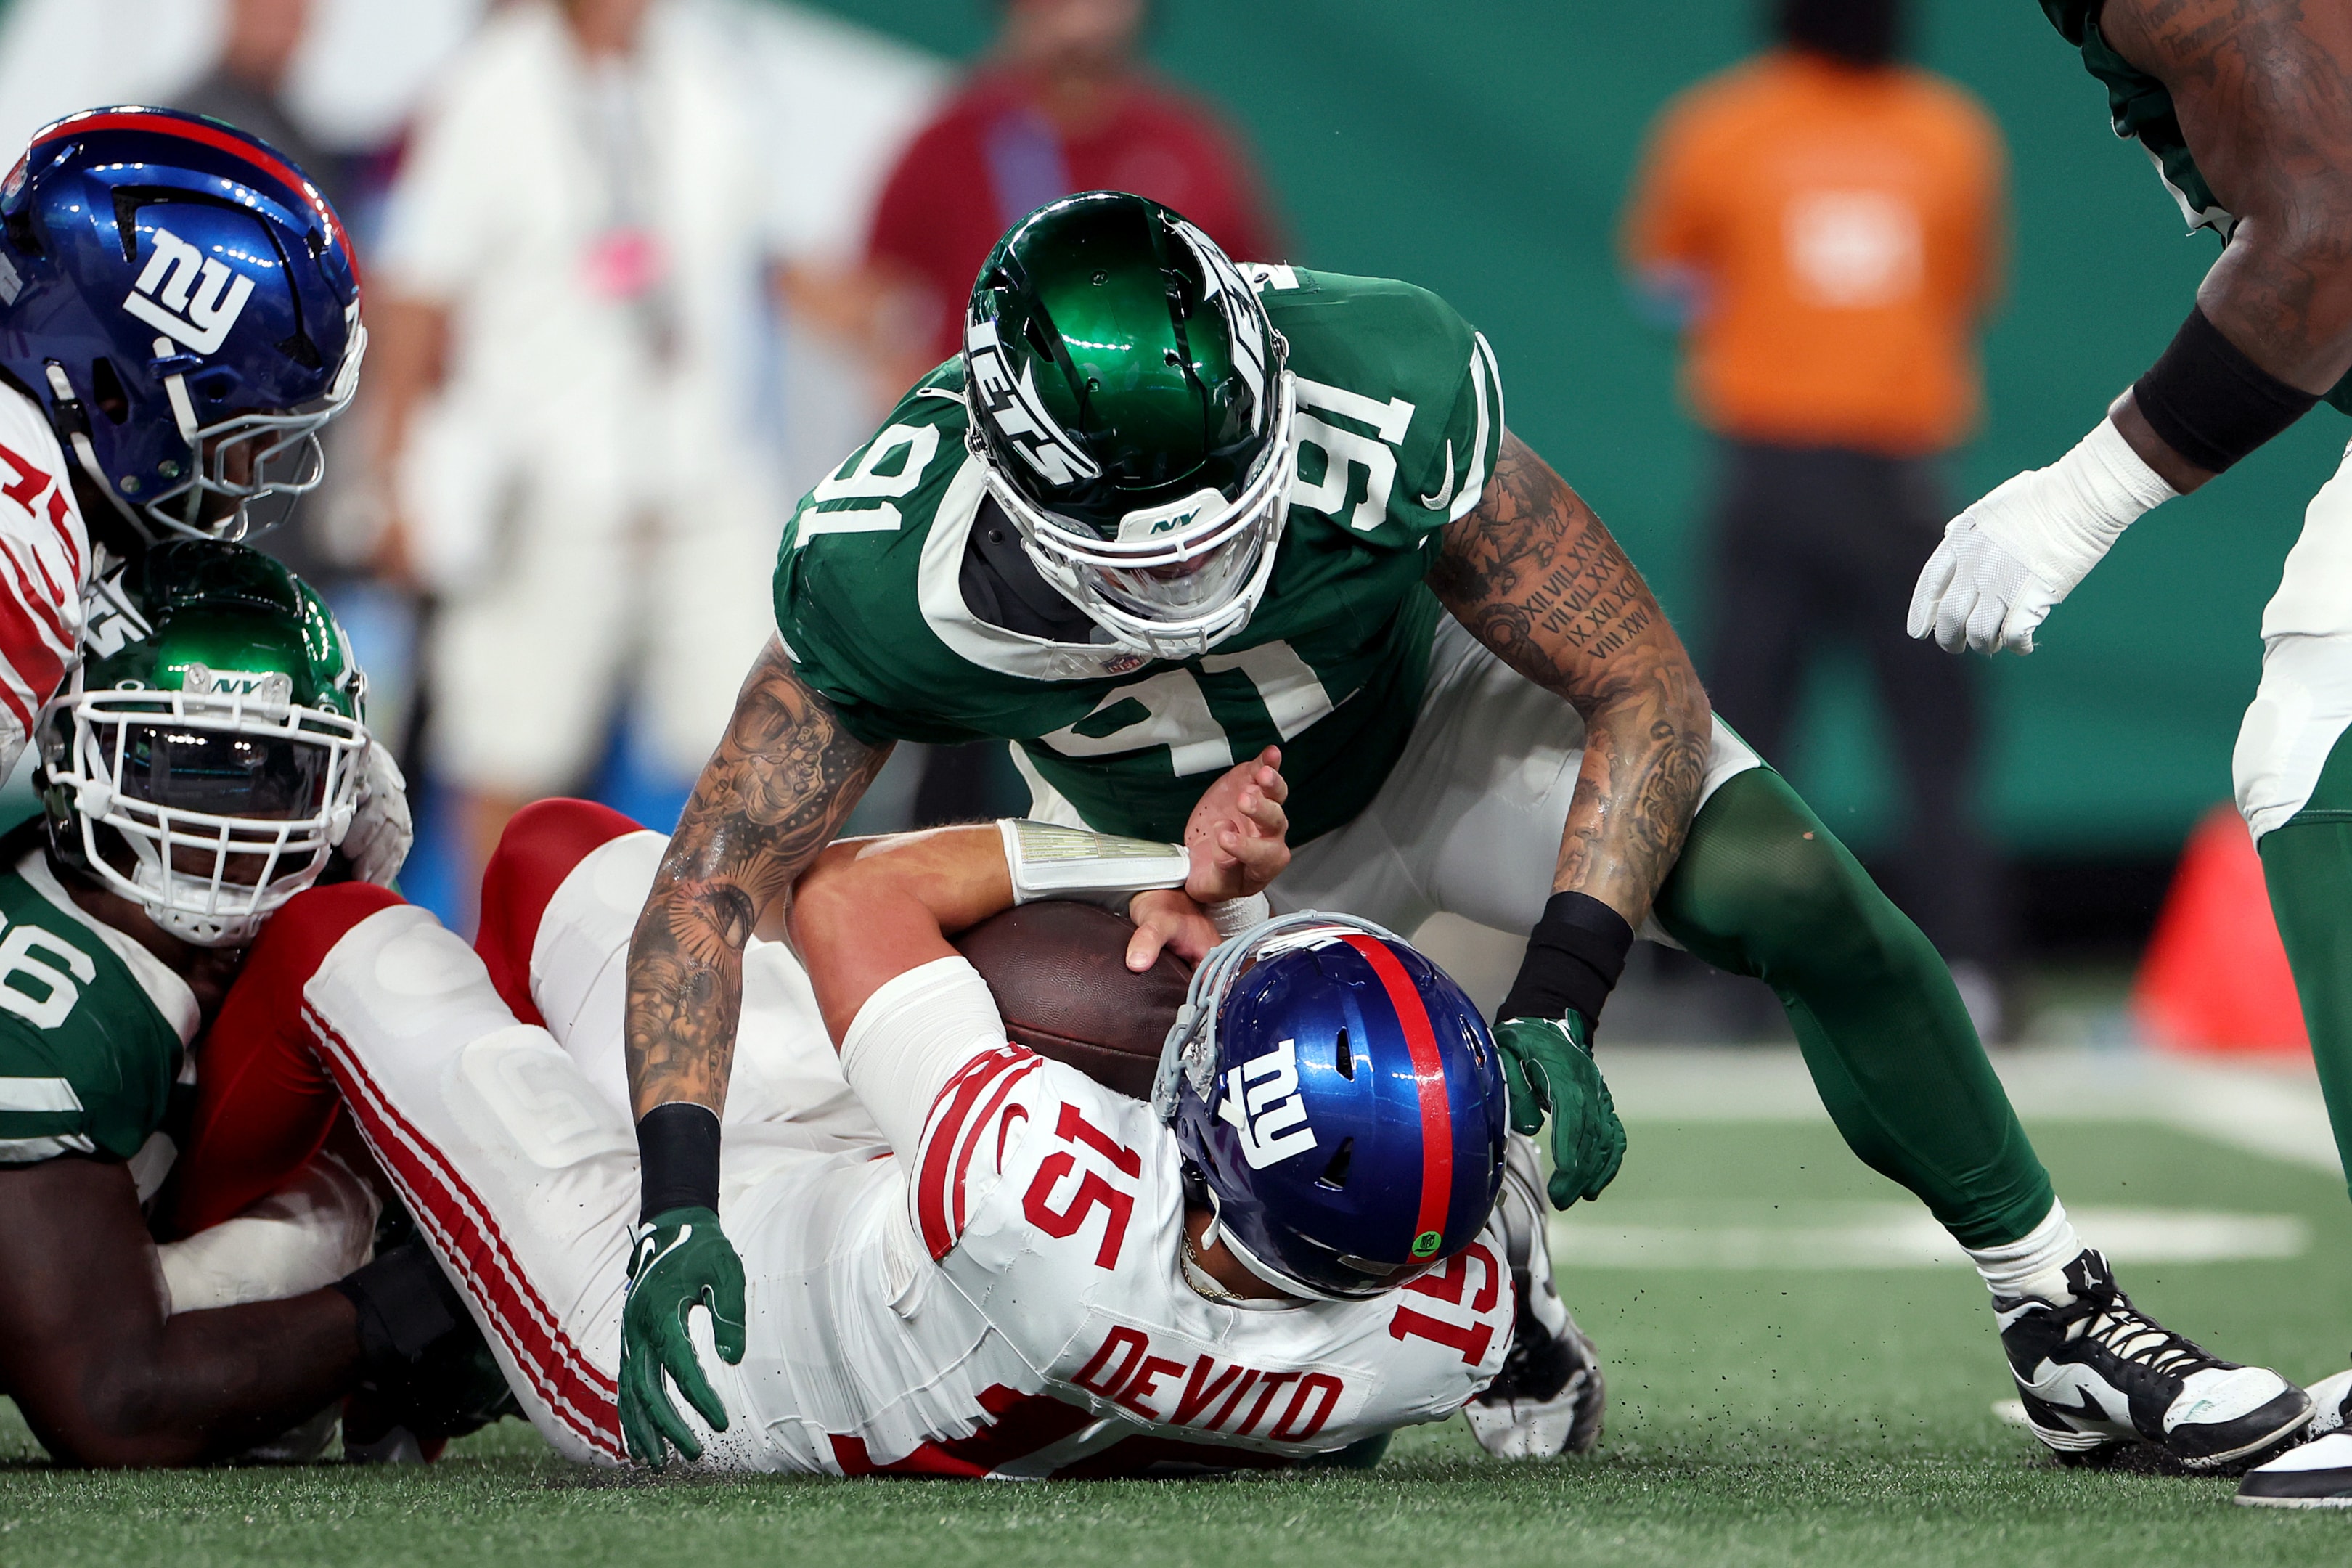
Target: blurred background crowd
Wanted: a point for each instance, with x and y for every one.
(1773, 283)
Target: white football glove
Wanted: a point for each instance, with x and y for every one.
(2007, 561)
(378, 838)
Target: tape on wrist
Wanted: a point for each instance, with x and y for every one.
(1233, 916)
(2210, 403)
(1574, 957)
(1052, 862)
(678, 1159)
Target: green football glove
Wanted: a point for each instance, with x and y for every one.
(1548, 1067)
(680, 1260)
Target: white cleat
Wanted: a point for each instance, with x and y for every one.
(2319, 1473)
(1550, 1397)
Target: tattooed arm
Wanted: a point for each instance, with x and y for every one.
(2263, 90)
(773, 794)
(1534, 576)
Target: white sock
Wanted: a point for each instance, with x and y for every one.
(2035, 1264)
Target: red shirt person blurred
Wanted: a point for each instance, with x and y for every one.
(1061, 105)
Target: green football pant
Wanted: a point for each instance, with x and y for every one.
(1764, 890)
(2308, 865)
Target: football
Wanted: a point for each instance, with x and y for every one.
(1059, 972)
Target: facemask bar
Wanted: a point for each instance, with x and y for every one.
(211, 910)
(285, 456)
(1105, 577)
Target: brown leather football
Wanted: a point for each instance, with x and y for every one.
(1059, 972)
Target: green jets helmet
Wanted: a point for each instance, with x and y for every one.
(1133, 412)
(204, 758)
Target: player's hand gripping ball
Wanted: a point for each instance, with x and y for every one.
(1549, 1068)
(680, 1260)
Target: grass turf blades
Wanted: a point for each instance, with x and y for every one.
(1759, 1416)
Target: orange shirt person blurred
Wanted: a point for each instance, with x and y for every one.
(1836, 232)
(1828, 226)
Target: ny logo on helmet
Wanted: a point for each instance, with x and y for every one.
(193, 297)
(1263, 1103)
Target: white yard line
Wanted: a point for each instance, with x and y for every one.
(1654, 1234)
(2274, 1111)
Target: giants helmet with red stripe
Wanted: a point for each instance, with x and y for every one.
(185, 304)
(1342, 1102)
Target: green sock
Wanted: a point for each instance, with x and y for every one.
(2308, 865)
(1762, 888)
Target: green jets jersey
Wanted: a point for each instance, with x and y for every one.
(1399, 421)
(2141, 107)
(94, 1031)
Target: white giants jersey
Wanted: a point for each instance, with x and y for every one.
(44, 567)
(1056, 1207)
(959, 1258)
(1027, 1239)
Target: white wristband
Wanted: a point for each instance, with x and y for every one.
(1051, 862)
(2076, 509)
(1233, 916)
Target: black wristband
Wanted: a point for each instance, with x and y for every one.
(1574, 956)
(406, 1304)
(678, 1158)
(2210, 403)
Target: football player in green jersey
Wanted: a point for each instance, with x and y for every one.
(196, 771)
(1159, 514)
(2245, 108)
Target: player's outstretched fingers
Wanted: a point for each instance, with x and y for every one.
(1269, 774)
(684, 1368)
(728, 1333)
(1258, 858)
(650, 1425)
(1245, 805)
(1933, 579)
(1952, 615)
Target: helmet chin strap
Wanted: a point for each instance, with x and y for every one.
(175, 389)
(75, 416)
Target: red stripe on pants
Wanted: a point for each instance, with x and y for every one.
(580, 1394)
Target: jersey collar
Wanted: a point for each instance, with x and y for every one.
(939, 590)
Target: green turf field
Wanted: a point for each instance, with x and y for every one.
(1758, 1414)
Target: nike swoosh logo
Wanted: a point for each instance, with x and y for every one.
(647, 1257)
(2085, 1408)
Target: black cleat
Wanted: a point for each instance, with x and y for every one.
(2096, 1372)
(1550, 1397)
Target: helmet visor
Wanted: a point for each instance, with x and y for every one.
(228, 808)
(269, 778)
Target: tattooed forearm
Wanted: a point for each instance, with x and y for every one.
(2264, 93)
(1534, 576)
(775, 793)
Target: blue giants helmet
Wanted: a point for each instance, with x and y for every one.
(1342, 1102)
(185, 306)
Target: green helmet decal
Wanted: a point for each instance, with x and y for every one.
(205, 759)
(209, 617)
(1119, 361)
